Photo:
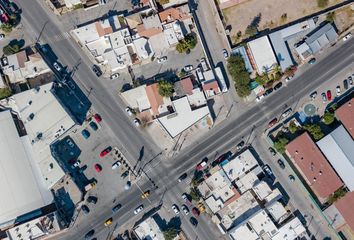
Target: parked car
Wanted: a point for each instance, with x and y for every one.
(288, 78)
(128, 185)
(175, 209)
(350, 79)
(185, 197)
(114, 76)
(286, 113)
(346, 37)
(201, 165)
(2, 36)
(272, 123)
(108, 222)
(136, 122)
(92, 199)
(272, 151)
(221, 158)
(313, 95)
(291, 178)
(193, 221)
(312, 61)
(138, 209)
(281, 164)
(85, 133)
(125, 174)
(162, 59)
(116, 165)
(225, 53)
(182, 177)
(329, 95)
(185, 209)
(93, 126)
(89, 234)
(324, 98)
(268, 171)
(338, 90)
(277, 86)
(259, 98)
(85, 209)
(188, 68)
(240, 145)
(145, 194)
(195, 212)
(105, 151)
(98, 167)
(97, 70)
(128, 111)
(116, 207)
(97, 117)
(268, 91)
(345, 84)
(56, 66)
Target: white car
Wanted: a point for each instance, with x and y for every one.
(346, 37)
(185, 209)
(259, 98)
(175, 209)
(185, 197)
(313, 95)
(225, 53)
(338, 90)
(56, 66)
(116, 165)
(129, 111)
(288, 78)
(138, 209)
(162, 59)
(286, 113)
(268, 171)
(114, 76)
(136, 122)
(188, 68)
(2, 36)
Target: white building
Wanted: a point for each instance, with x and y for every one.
(148, 229)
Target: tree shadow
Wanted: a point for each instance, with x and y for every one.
(18, 42)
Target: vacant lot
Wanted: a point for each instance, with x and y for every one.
(267, 14)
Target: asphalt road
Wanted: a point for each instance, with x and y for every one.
(222, 137)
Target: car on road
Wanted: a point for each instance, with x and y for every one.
(85, 209)
(182, 177)
(288, 78)
(268, 91)
(278, 86)
(272, 122)
(89, 234)
(185, 197)
(92, 199)
(312, 61)
(313, 95)
(286, 113)
(272, 151)
(97, 117)
(85, 133)
(93, 126)
(221, 158)
(128, 185)
(116, 207)
(125, 174)
(350, 79)
(338, 90)
(291, 178)
(268, 171)
(162, 59)
(175, 209)
(98, 167)
(281, 164)
(195, 212)
(193, 221)
(108, 222)
(345, 84)
(324, 98)
(138, 209)
(116, 165)
(97, 70)
(136, 122)
(346, 37)
(225, 53)
(240, 145)
(56, 66)
(128, 111)
(185, 209)
(114, 76)
(2, 36)
(105, 151)
(188, 68)
(329, 95)
(202, 165)
(145, 194)
(259, 98)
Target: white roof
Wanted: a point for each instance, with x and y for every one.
(183, 117)
(276, 210)
(263, 54)
(149, 229)
(87, 33)
(338, 147)
(22, 188)
(262, 190)
(170, 36)
(51, 120)
(137, 98)
(246, 182)
(239, 165)
(291, 231)
(143, 48)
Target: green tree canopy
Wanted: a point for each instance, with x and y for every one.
(188, 43)
(328, 118)
(10, 49)
(292, 127)
(165, 88)
(314, 130)
(6, 27)
(239, 74)
(194, 194)
(170, 233)
(5, 92)
(280, 144)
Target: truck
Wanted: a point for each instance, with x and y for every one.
(221, 79)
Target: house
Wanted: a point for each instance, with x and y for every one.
(313, 167)
(345, 114)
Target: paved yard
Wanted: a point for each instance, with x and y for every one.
(240, 16)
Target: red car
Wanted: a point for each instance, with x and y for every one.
(272, 123)
(97, 117)
(329, 95)
(105, 151)
(196, 212)
(98, 167)
(201, 165)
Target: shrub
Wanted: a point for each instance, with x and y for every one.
(322, 3)
(194, 194)
(162, 2)
(314, 130)
(165, 88)
(6, 27)
(170, 233)
(11, 49)
(5, 92)
(188, 43)
(239, 74)
(337, 195)
(292, 127)
(330, 16)
(328, 118)
(280, 144)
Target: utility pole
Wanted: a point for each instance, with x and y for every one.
(40, 34)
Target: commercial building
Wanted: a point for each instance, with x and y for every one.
(313, 167)
(345, 114)
(338, 147)
(148, 229)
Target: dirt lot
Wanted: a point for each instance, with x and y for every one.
(344, 18)
(273, 13)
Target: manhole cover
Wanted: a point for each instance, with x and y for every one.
(310, 110)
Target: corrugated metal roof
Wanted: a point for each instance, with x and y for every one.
(281, 50)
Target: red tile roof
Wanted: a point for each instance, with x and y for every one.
(155, 99)
(213, 85)
(143, 32)
(346, 115)
(313, 166)
(172, 14)
(345, 206)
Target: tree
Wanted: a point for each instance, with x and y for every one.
(314, 130)
(194, 194)
(322, 3)
(6, 27)
(170, 233)
(239, 74)
(252, 29)
(292, 127)
(5, 92)
(280, 144)
(186, 44)
(330, 16)
(328, 118)
(261, 79)
(10, 49)
(165, 88)
(339, 193)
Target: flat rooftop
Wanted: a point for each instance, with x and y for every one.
(262, 54)
(149, 229)
(23, 189)
(346, 114)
